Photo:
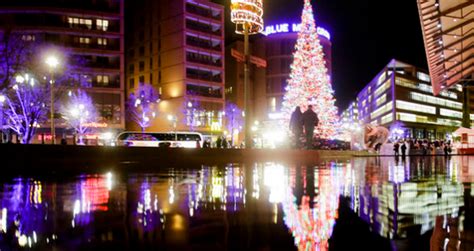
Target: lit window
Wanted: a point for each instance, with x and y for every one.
(381, 100)
(387, 119)
(435, 100)
(423, 76)
(382, 88)
(409, 117)
(381, 110)
(415, 107)
(28, 38)
(102, 79)
(102, 24)
(381, 79)
(450, 113)
(86, 22)
(73, 21)
(84, 40)
(102, 41)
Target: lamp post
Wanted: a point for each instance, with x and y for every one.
(248, 18)
(174, 120)
(52, 62)
(2, 101)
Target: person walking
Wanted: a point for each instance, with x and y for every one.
(404, 149)
(396, 147)
(310, 121)
(296, 126)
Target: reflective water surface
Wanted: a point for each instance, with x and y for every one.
(366, 203)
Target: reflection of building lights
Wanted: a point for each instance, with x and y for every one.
(3, 221)
(22, 240)
(274, 177)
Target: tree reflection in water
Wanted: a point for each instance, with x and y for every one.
(361, 204)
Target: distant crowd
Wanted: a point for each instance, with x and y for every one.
(425, 147)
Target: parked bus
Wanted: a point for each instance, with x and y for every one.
(160, 139)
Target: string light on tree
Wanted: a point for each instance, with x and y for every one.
(309, 82)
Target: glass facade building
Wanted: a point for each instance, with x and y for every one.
(401, 97)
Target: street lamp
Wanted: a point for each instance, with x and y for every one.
(52, 62)
(174, 120)
(247, 15)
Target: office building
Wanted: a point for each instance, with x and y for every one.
(401, 97)
(178, 47)
(91, 36)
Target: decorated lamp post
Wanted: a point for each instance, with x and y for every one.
(248, 18)
(52, 62)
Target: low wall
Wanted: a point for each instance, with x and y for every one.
(57, 157)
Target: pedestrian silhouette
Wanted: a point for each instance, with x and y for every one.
(296, 126)
(310, 121)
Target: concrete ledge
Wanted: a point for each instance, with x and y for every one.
(19, 158)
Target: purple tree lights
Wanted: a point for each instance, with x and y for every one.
(234, 119)
(26, 106)
(79, 112)
(142, 105)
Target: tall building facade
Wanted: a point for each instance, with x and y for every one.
(91, 35)
(268, 84)
(178, 47)
(401, 97)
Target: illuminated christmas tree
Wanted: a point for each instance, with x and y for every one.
(309, 82)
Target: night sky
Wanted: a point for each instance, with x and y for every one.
(366, 35)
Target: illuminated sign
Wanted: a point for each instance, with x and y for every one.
(287, 28)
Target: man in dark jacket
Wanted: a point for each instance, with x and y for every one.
(310, 121)
(296, 125)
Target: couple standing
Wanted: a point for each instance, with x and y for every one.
(307, 120)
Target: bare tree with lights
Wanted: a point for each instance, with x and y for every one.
(142, 105)
(79, 112)
(233, 118)
(26, 106)
(16, 51)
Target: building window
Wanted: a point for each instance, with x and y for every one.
(102, 24)
(75, 22)
(84, 40)
(141, 66)
(381, 110)
(131, 83)
(142, 51)
(409, 106)
(141, 80)
(131, 69)
(435, 100)
(450, 113)
(423, 76)
(382, 88)
(102, 41)
(28, 38)
(102, 79)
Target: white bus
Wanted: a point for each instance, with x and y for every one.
(160, 139)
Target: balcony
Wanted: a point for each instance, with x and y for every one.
(200, 11)
(202, 59)
(203, 75)
(206, 28)
(60, 21)
(203, 91)
(203, 43)
(110, 6)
